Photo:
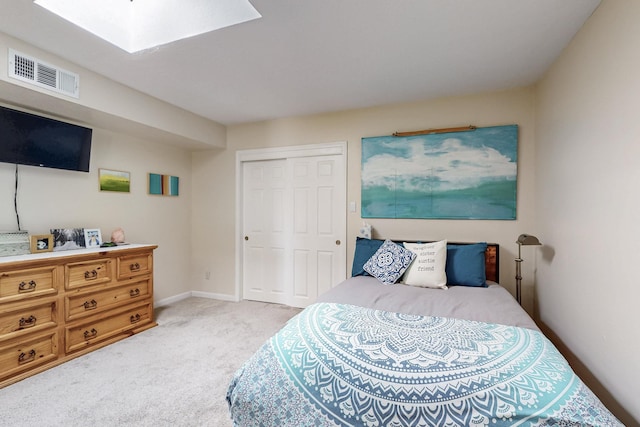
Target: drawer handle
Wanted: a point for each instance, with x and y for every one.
(134, 293)
(27, 287)
(91, 305)
(28, 323)
(135, 319)
(90, 275)
(134, 267)
(27, 357)
(90, 334)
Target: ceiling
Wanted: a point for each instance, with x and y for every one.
(307, 57)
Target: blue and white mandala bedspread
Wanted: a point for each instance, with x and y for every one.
(342, 365)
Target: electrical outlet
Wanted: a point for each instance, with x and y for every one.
(207, 275)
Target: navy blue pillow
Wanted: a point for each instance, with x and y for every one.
(466, 265)
(365, 248)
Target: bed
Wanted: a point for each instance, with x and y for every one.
(385, 351)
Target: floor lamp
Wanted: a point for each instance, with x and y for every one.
(523, 239)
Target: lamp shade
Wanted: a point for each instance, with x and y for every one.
(528, 239)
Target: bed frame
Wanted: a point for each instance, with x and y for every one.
(491, 257)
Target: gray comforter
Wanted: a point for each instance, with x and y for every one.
(493, 304)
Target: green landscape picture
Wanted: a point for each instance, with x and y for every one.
(111, 180)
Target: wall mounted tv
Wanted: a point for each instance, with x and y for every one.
(28, 139)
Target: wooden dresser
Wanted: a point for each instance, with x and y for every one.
(60, 305)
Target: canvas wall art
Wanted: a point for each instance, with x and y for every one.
(112, 180)
(165, 185)
(458, 175)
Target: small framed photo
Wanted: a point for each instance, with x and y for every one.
(41, 243)
(65, 239)
(92, 237)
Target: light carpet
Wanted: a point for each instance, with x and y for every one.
(175, 374)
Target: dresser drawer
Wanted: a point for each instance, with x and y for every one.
(133, 265)
(89, 273)
(21, 284)
(24, 319)
(87, 304)
(21, 355)
(109, 326)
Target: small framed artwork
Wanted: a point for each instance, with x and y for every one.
(65, 239)
(163, 185)
(112, 180)
(41, 243)
(92, 237)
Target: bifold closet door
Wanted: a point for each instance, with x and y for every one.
(294, 228)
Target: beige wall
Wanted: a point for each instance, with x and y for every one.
(52, 198)
(214, 179)
(107, 104)
(588, 201)
(131, 132)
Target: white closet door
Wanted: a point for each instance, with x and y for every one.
(266, 231)
(294, 227)
(318, 226)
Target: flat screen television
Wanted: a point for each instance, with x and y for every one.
(28, 139)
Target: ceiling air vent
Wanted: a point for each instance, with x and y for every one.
(41, 74)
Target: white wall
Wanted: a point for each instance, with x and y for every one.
(214, 179)
(588, 201)
(51, 198)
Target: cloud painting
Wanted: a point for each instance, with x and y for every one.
(461, 175)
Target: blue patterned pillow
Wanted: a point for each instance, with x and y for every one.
(389, 262)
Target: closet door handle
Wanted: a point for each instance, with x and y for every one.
(338, 242)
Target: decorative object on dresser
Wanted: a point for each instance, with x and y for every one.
(65, 239)
(65, 304)
(117, 236)
(523, 239)
(14, 243)
(41, 243)
(92, 237)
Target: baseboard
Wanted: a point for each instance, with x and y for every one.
(171, 300)
(197, 294)
(222, 297)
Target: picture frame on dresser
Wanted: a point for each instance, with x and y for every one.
(41, 243)
(65, 239)
(92, 237)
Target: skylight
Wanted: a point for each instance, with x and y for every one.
(135, 25)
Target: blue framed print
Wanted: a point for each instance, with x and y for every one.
(456, 175)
